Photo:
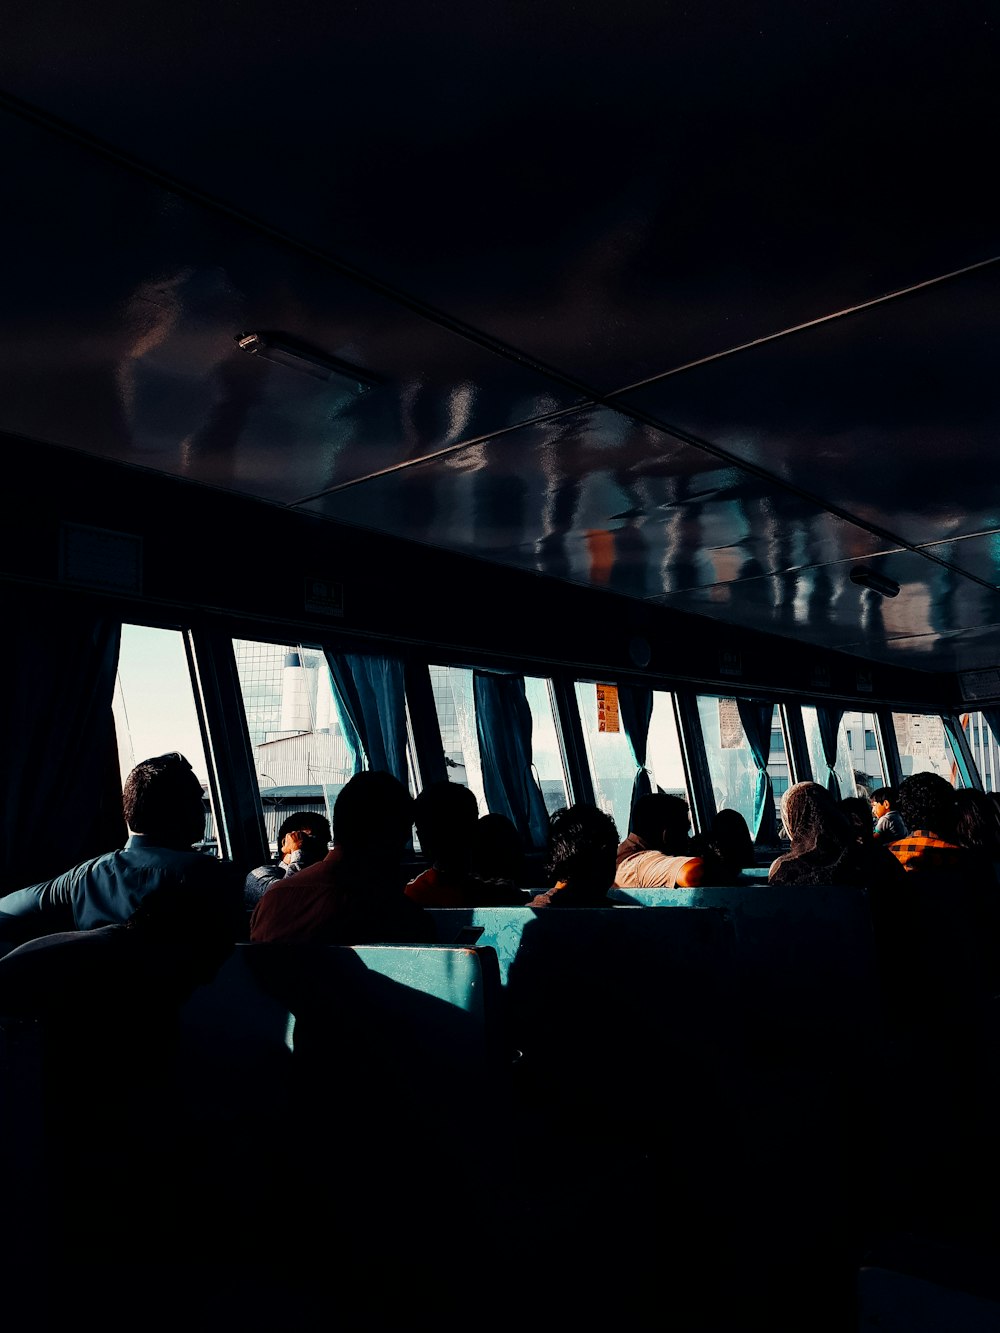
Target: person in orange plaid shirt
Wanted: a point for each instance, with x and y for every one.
(927, 804)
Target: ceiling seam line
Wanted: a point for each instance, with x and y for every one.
(642, 418)
(806, 324)
(407, 463)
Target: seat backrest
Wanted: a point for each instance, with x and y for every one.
(436, 1005)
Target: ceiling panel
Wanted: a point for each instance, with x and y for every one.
(823, 605)
(613, 275)
(887, 414)
(613, 193)
(122, 304)
(977, 555)
(597, 497)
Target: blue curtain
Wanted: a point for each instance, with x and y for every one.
(635, 706)
(63, 788)
(829, 726)
(756, 719)
(503, 725)
(371, 705)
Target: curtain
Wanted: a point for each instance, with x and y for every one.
(635, 706)
(828, 719)
(503, 726)
(371, 706)
(756, 719)
(63, 790)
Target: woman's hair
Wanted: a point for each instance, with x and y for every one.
(978, 821)
(858, 812)
(729, 840)
(582, 845)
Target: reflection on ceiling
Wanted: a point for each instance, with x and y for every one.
(698, 306)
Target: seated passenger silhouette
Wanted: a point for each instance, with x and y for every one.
(977, 825)
(355, 894)
(107, 1004)
(446, 815)
(580, 858)
(889, 822)
(829, 845)
(303, 839)
(728, 846)
(658, 852)
(824, 848)
(928, 805)
(858, 813)
(496, 868)
(163, 807)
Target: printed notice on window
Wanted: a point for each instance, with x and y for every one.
(731, 735)
(607, 708)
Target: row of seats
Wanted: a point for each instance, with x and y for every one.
(701, 1080)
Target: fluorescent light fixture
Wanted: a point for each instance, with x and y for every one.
(305, 359)
(867, 578)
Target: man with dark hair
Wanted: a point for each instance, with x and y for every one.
(355, 894)
(927, 804)
(889, 823)
(303, 839)
(163, 807)
(657, 852)
(580, 860)
(446, 815)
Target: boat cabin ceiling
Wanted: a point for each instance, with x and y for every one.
(693, 304)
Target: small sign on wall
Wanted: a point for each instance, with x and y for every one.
(100, 558)
(324, 596)
(607, 708)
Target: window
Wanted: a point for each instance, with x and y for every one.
(300, 755)
(855, 775)
(983, 745)
(860, 769)
(454, 700)
(925, 747)
(730, 760)
(609, 754)
(546, 752)
(154, 707)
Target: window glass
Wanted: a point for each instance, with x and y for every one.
(612, 768)
(546, 752)
(925, 747)
(862, 765)
(663, 749)
(731, 764)
(154, 707)
(984, 748)
(453, 699)
(609, 755)
(300, 755)
(858, 770)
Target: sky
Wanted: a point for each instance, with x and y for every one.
(154, 707)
